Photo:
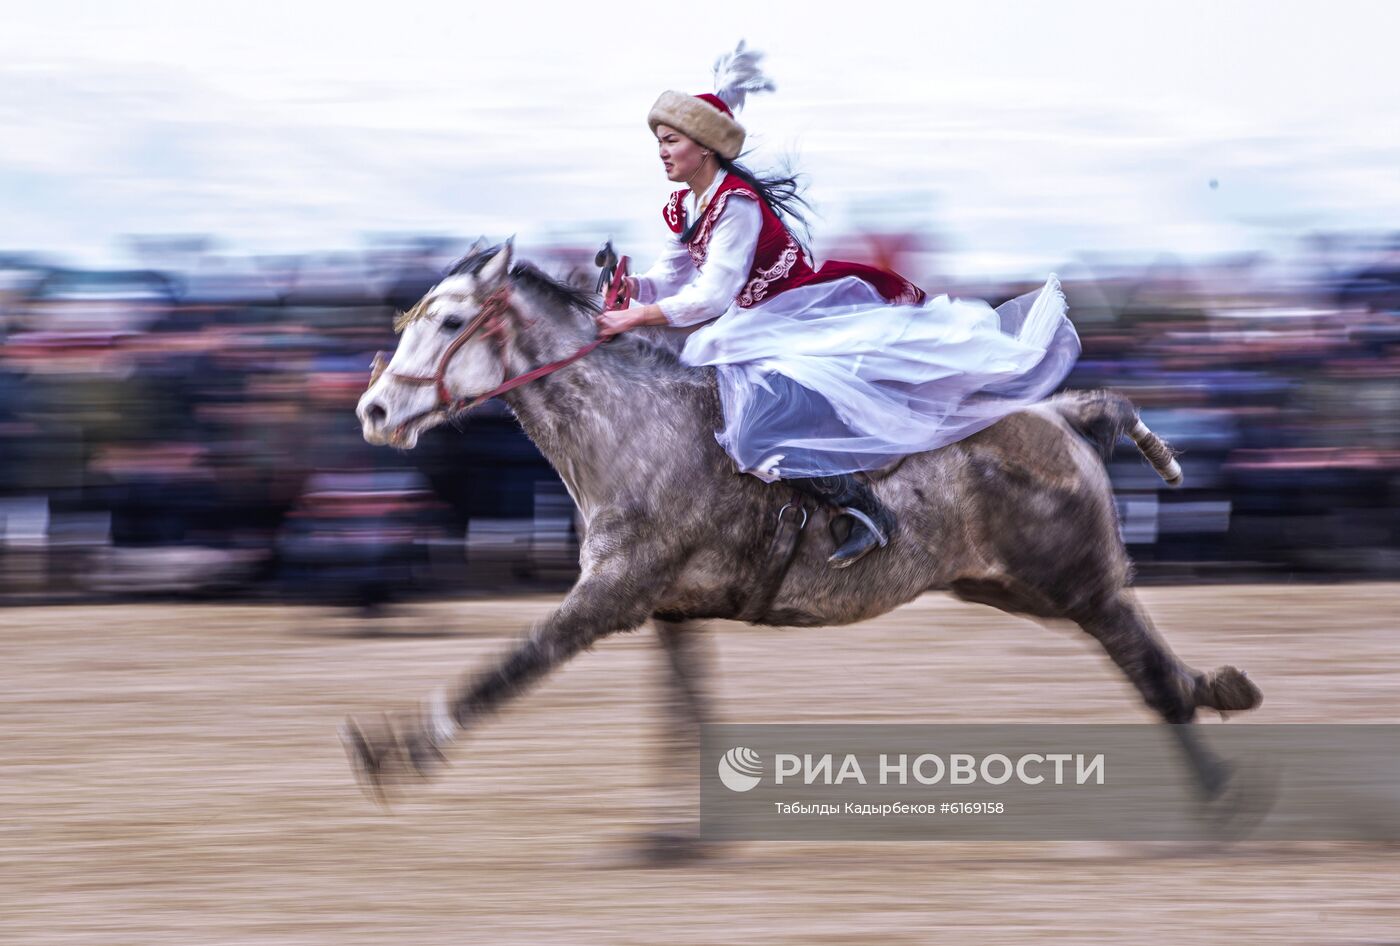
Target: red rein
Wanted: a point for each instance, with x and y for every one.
(491, 317)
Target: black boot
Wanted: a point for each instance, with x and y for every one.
(871, 522)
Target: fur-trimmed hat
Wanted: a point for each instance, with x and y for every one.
(709, 118)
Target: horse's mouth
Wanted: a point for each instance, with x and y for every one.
(405, 435)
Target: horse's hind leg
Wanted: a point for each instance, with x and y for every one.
(1167, 685)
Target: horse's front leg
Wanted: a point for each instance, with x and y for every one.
(605, 600)
(677, 839)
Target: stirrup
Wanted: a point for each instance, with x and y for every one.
(869, 523)
(859, 543)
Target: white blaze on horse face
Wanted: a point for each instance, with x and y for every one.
(394, 411)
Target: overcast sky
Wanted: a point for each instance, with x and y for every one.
(1020, 133)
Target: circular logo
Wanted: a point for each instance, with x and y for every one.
(740, 769)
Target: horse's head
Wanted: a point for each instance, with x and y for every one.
(448, 352)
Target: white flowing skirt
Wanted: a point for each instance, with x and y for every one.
(829, 378)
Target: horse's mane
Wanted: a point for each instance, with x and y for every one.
(530, 276)
(525, 275)
(647, 354)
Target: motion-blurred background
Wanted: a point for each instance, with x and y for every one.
(209, 216)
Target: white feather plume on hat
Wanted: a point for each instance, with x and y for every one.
(737, 74)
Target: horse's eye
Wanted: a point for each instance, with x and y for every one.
(451, 324)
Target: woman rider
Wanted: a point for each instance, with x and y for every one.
(823, 372)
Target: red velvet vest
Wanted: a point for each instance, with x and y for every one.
(778, 262)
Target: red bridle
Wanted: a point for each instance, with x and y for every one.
(491, 317)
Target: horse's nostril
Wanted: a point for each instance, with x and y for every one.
(376, 414)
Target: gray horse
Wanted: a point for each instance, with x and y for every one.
(1019, 516)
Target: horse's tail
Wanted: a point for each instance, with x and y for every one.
(1105, 417)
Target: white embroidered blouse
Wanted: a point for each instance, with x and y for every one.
(689, 295)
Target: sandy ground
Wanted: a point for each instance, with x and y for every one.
(171, 775)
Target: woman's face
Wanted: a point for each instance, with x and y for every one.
(680, 155)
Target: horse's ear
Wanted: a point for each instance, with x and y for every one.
(497, 268)
(476, 247)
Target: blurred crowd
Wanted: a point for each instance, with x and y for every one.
(188, 427)
(1277, 381)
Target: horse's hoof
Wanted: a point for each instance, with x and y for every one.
(1227, 690)
(1234, 810)
(390, 751)
(664, 849)
(366, 760)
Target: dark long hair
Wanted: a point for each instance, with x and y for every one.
(782, 192)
